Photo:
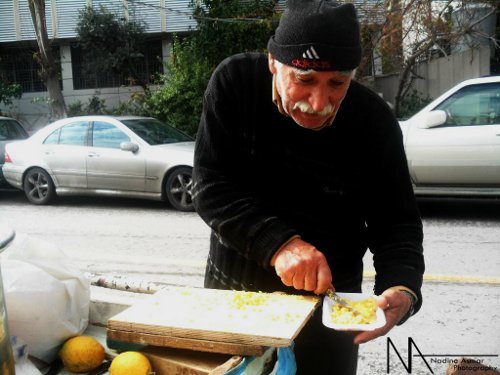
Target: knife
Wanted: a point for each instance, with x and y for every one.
(336, 298)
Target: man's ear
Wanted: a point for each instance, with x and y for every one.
(271, 63)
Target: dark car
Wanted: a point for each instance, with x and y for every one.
(10, 130)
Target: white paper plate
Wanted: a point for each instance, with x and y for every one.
(328, 303)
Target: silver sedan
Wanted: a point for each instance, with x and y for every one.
(136, 157)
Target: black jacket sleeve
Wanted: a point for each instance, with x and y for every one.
(394, 225)
(222, 156)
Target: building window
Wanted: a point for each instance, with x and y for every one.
(148, 67)
(19, 66)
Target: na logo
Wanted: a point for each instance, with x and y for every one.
(408, 364)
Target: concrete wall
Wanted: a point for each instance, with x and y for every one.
(444, 73)
(440, 74)
(32, 109)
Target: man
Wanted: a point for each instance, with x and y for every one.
(298, 170)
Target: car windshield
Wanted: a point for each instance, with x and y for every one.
(9, 130)
(155, 132)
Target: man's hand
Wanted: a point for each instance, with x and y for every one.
(395, 305)
(301, 265)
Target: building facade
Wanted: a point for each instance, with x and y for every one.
(162, 18)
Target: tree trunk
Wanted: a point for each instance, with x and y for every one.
(49, 70)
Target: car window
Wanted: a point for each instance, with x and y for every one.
(74, 133)
(107, 135)
(53, 138)
(10, 129)
(155, 132)
(473, 105)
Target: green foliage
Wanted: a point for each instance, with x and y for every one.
(94, 106)
(111, 45)
(229, 27)
(225, 27)
(412, 103)
(134, 106)
(9, 91)
(180, 100)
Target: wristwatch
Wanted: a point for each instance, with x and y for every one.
(412, 307)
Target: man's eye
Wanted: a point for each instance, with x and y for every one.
(337, 83)
(304, 79)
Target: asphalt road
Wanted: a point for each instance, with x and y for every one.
(144, 243)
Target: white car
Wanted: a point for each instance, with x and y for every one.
(453, 144)
(136, 157)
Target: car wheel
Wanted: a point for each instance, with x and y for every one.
(38, 186)
(178, 189)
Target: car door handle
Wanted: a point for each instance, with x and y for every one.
(93, 155)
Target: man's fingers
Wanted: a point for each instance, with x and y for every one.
(286, 275)
(299, 278)
(310, 283)
(324, 278)
(393, 310)
(364, 337)
(382, 302)
(301, 265)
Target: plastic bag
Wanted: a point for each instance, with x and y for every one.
(286, 364)
(22, 362)
(47, 298)
(253, 365)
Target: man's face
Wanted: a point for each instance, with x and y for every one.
(310, 98)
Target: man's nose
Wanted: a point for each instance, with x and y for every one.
(319, 99)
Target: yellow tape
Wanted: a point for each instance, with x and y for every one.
(452, 278)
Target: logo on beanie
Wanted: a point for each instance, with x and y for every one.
(311, 60)
(310, 54)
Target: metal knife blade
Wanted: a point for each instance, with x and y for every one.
(342, 302)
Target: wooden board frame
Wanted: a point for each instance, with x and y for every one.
(185, 343)
(148, 322)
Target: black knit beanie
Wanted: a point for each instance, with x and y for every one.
(317, 34)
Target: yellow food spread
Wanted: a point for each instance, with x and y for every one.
(241, 300)
(356, 312)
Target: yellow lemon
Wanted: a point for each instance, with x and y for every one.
(81, 354)
(130, 363)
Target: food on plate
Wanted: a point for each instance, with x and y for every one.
(355, 312)
(130, 363)
(81, 354)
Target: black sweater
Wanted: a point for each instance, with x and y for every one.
(260, 178)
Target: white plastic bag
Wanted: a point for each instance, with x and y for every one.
(47, 298)
(23, 364)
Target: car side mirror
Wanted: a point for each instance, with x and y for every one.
(433, 119)
(129, 146)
